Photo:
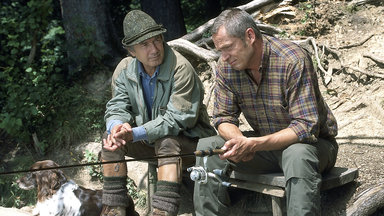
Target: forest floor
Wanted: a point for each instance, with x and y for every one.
(352, 44)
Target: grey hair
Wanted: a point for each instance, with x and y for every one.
(236, 22)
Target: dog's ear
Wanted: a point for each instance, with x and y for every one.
(43, 185)
(58, 178)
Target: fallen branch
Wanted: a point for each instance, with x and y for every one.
(379, 62)
(377, 75)
(282, 11)
(362, 2)
(36, 144)
(254, 5)
(269, 29)
(336, 54)
(327, 74)
(357, 44)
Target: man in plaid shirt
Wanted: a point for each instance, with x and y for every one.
(274, 84)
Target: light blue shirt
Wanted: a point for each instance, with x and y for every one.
(148, 83)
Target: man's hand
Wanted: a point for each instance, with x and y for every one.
(120, 135)
(238, 149)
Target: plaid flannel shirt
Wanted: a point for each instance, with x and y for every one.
(288, 94)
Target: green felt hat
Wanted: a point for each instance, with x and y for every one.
(138, 27)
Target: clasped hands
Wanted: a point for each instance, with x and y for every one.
(119, 136)
(238, 149)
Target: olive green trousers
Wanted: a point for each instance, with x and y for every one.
(302, 165)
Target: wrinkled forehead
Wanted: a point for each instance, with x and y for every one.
(223, 40)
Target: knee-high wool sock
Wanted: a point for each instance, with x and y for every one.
(167, 197)
(115, 191)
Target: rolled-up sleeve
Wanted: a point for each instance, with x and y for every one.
(226, 109)
(302, 99)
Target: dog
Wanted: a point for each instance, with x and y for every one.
(57, 195)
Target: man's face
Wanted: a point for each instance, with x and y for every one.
(149, 52)
(233, 50)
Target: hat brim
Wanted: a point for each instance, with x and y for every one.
(144, 37)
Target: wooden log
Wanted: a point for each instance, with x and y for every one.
(184, 46)
(368, 202)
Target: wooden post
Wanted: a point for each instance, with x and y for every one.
(277, 206)
(152, 180)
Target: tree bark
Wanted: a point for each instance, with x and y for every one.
(168, 13)
(369, 202)
(90, 34)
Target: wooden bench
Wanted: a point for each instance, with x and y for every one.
(273, 184)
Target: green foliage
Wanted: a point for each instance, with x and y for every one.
(21, 25)
(138, 195)
(194, 13)
(351, 8)
(94, 171)
(307, 7)
(38, 95)
(308, 20)
(11, 194)
(283, 35)
(135, 4)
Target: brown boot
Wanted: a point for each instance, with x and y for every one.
(113, 211)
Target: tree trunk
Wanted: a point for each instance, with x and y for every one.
(168, 13)
(90, 34)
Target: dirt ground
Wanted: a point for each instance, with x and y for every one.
(351, 43)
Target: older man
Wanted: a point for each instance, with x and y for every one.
(156, 110)
(273, 83)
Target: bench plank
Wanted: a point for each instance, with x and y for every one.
(336, 177)
(261, 188)
(339, 176)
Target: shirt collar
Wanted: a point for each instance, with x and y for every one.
(142, 72)
(266, 52)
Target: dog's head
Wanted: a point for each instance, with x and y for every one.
(47, 182)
